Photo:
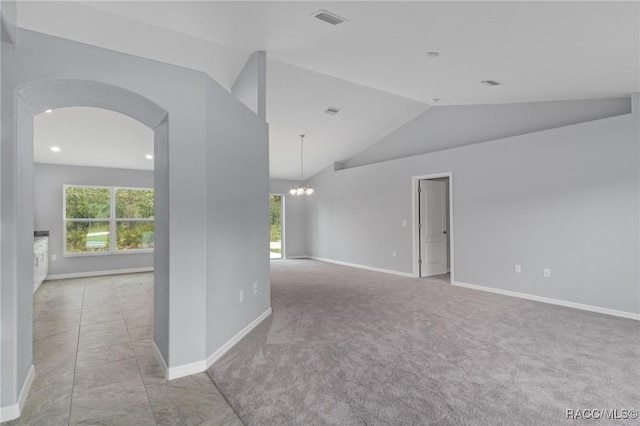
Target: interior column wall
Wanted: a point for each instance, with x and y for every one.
(181, 169)
(237, 212)
(9, 388)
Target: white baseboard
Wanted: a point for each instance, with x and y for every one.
(26, 387)
(9, 412)
(368, 268)
(200, 366)
(13, 411)
(297, 257)
(159, 358)
(235, 339)
(98, 273)
(185, 370)
(559, 302)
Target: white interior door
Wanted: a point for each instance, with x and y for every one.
(433, 228)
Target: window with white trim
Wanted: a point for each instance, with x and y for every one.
(107, 220)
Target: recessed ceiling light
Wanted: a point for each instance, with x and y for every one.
(332, 111)
(48, 111)
(328, 17)
(149, 157)
(491, 83)
(55, 149)
(433, 54)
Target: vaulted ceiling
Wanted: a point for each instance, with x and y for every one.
(374, 67)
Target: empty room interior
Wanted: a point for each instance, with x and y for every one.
(308, 213)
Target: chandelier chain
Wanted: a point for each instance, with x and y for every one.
(303, 188)
(301, 157)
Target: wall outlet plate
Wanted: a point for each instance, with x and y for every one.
(255, 288)
(241, 296)
(546, 272)
(518, 269)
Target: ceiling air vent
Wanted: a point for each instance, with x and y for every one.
(491, 83)
(328, 17)
(332, 111)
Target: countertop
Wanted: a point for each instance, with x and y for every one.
(40, 235)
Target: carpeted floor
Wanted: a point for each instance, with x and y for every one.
(347, 346)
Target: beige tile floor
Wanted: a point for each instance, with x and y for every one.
(94, 363)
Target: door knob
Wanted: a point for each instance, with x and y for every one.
(444, 232)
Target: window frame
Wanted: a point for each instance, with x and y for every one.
(124, 219)
(282, 226)
(112, 220)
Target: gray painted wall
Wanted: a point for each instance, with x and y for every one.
(6, 317)
(444, 127)
(162, 243)
(295, 217)
(15, 302)
(48, 182)
(238, 206)
(251, 85)
(8, 16)
(566, 199)
(181, 164)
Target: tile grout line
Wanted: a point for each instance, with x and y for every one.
(134, 301)
(137, 362)
(75, 362)
(82, 309)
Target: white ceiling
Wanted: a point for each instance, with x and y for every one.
(374, 66)
(92, 137)
(299, 101)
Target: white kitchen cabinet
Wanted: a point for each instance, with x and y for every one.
(40, 261)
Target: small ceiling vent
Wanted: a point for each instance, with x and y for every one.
(328, 17)
(491, 83)
(332, 111)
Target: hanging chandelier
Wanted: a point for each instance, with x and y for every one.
(303, 188)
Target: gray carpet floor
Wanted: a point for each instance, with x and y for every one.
(349, 347)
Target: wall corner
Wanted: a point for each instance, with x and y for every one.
(250, 87)
(8, 21)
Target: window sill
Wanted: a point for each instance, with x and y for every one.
(109, 253)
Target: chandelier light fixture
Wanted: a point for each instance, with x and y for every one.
(303, 188)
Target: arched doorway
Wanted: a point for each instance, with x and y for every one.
(35, 98)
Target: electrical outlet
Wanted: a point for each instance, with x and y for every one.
(255, 288)
(394, 254)
(241, 295)
(404, 223)
(518, 269)
(317, 244)
(546, 272)
(54, 258)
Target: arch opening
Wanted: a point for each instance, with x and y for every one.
(38, 97)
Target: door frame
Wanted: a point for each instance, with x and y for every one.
(416, 219)
(282, 224)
